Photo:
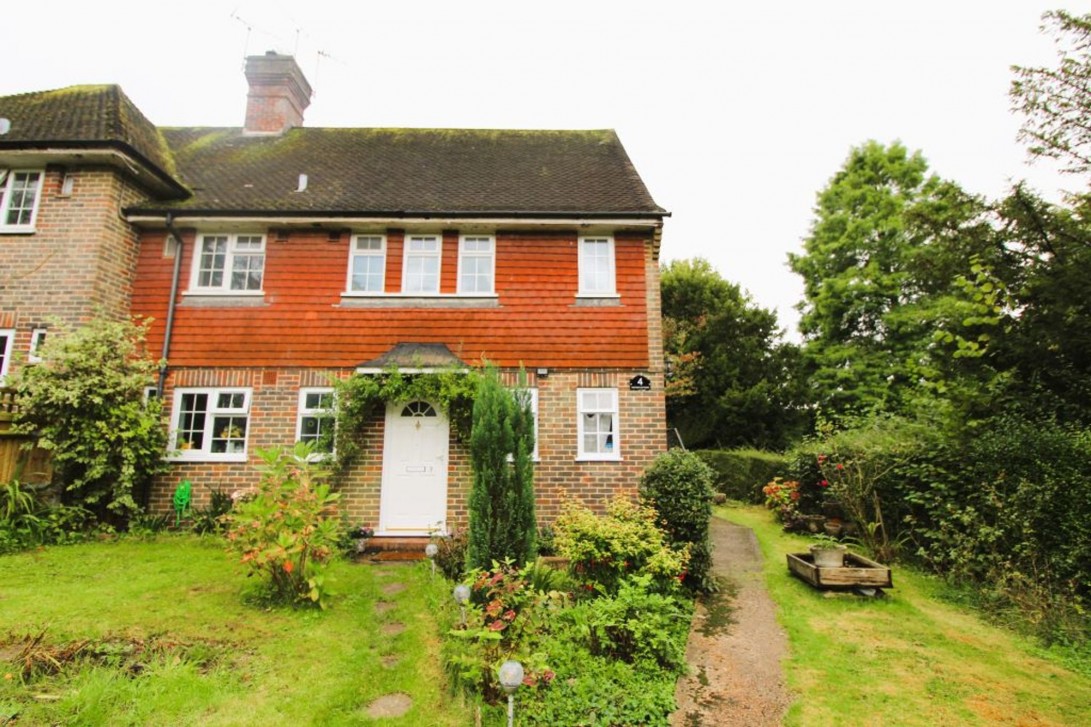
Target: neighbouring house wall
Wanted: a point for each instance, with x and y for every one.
(79, 261)
(558, 475)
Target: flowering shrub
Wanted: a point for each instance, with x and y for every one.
(603, 550)
(783, 497)
(290, 529)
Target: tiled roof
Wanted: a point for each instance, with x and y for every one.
(415, 355)
(406, 171)
(83, 116)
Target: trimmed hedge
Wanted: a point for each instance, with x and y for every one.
(741, 473)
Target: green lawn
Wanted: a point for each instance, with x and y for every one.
(909, 659)
(174, 642)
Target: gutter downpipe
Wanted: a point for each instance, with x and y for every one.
(178, 250)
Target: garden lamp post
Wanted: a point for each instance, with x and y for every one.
(462, 595)
(430, 550)
(511, 676)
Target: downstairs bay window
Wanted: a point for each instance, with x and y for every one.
(210, 425)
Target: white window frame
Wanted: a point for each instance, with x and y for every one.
(37, 336)
(408, 254)
(7, 179)
(594, 287)
(7, 346)
(611, 452)
(533, 394)
(380, 254)
(213, 411)
(231, 251)
(303, 411)
(465, 255)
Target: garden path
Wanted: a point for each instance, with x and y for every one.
(736, 646)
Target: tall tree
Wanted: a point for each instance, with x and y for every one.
(884, 279)
(1056, 102)
(732, 380)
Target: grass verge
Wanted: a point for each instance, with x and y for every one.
(911, 658)
(160, 633)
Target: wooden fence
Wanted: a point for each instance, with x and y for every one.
(29, 464)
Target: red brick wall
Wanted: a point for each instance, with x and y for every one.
(558, 475)
(80, 260)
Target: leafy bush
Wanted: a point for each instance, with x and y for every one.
(290, 530)
(740, 473)
(679, 486)
(210, 519)
(782, 497)
(638, 626)
(451, 554)
(503, 525)
(603, 550)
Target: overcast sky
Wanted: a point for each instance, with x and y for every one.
(735, 114)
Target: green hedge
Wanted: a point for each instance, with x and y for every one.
(741, 473)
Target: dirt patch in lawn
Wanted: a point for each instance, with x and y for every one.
(736, 646)
(390, 705)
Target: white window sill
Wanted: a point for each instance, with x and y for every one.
(206, 457)
(6, 230)
(221, 293)
(411, 300)
(592, 458)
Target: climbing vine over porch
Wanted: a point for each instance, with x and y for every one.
(359, 398)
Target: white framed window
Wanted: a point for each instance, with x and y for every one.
(598, 424)
(228, 264)
(316, 419)
(532, 399)
(210, 424)
(20, 193)
(37, 338)
(421, 268)
(597, 266)
(7, 342)
(476, 264)
(367, 264)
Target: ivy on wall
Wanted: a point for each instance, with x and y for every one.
(361, 397)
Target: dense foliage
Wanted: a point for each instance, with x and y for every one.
(502, 525)
(27, 520)
(731, 380)
(678, 486)
(85, 401)
(287, 533)
(741, 473)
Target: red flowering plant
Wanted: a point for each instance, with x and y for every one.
(290, 530)
(505, 620)
(782, 496)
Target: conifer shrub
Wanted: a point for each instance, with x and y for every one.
(678, 485)
(503, 525)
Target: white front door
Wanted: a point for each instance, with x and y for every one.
(414, 495)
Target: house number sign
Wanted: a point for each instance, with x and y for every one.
(640, 382)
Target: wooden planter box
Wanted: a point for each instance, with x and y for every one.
(858, 572)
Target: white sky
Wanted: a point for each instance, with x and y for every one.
(735, 114)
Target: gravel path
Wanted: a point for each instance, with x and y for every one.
(736, 645)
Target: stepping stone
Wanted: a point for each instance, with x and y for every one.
(390, 661)
(392, 629)
(382, 607)
(391, 588)
(389, 705)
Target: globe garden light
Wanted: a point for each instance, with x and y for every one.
(462, 595)
(511, 676)
(430, 550)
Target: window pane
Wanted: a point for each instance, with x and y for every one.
(191, 422)
(228, 434)
(246, 271)
(367, 273)
(23, 194)
(213, 258)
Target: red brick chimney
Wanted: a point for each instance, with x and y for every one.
(278, 94)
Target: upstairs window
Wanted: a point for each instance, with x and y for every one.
(422, 257)
(7, 339)
(316, 419)
(20, 192)
(229, 264)
(210, 424)
(476, 262)
(367, 264)
(598, 430)
(597, 266)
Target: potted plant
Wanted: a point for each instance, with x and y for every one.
(361, 534)
(828, 553)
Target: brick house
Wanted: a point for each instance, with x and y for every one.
(275, 256)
